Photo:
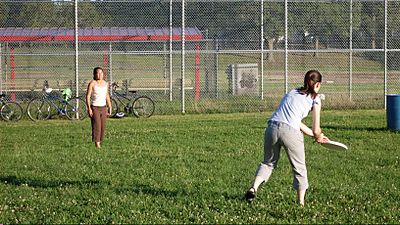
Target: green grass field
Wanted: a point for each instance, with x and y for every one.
(194, 169)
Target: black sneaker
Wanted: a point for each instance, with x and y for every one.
(250, 195)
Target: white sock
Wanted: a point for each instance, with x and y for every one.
(257, 182)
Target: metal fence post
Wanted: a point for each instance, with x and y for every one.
(216, 64)
(110, 67)
(170, 50)
(286, 46)
(351, 51)
(183, 57)
(1, 70)
(76, 51)
(385, 55)
(262, 49)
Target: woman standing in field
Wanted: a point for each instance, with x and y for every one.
(285, 128)
(97, 100)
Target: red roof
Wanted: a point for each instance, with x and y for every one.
(96, 34)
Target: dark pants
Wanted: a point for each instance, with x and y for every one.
(98, 122)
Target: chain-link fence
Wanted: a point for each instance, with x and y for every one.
(232, 55)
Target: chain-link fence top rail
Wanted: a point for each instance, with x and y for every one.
(246, 56)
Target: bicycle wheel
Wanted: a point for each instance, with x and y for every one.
(143, 106)
(115, 108)
(39, 109)
(11, 111)
(75, 109)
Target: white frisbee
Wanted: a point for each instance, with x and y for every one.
(334, 145)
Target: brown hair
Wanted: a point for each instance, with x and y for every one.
(95, 72)
(310, 79)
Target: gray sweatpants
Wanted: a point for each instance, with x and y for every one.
(277, 135)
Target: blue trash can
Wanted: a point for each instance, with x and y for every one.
(393, 111)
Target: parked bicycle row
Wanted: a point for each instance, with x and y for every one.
(74, 108)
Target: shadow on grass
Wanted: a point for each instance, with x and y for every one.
(154, 191)
(344, 127)
(231, 196)
(13, 180)
(149, 190)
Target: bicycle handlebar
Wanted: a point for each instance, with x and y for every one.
(45, 84)
(114, 86)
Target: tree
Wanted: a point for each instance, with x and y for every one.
(13, 9)
(322, 20)
(274, 24)
(60, 14)
(239, 20)
(134, 14)
(393, 16)
(88, 16)
(37, 15)
(3, 13)
(372, 22)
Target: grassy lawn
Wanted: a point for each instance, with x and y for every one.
(194, 169)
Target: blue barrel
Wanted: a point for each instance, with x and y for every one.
(393, 111)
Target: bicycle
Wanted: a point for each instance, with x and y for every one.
(40, 108)
(10, 111)
(138, 105)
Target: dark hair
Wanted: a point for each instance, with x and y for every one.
(310, 79)
(95, 72)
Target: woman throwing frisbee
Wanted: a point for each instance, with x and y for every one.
(285, 128)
